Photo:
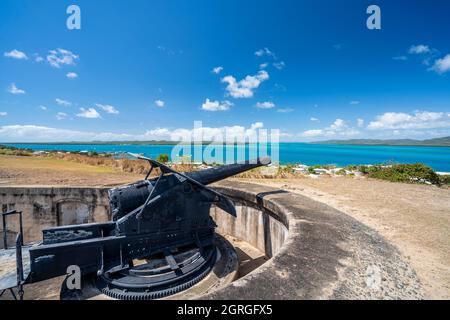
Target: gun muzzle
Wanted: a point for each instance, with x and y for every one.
(212, 175)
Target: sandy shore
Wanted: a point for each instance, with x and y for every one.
(415, 218)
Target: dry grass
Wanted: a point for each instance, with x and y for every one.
(123, 165)
(15, 152)
(48, 163)
(141, 166)
(269, 173)
(37, 170)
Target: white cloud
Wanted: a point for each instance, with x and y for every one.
(417, 125)
(419, 49)
(63, 103)
(72, 75)
(257, 125)
(61, 116)
(313, 119)
(89, 113)
(245, 87)
(169, 51)
(417, 120)
(338, 128)
(233, 133)
(60, 57)
(355, 102)
(279, 65)
(338, 125)
(430, 58)
(3, 114)
(16, 54)
(285, 110)
(217, 70)
(14, 90)
(312, 133)
(265, 105)
(33, 133)
(107, 108)
(216, 105)
(442, 65)
(279, 88)
(160, 103)
(38, 59)
(265, 52)
(159, 132)
(44, 108)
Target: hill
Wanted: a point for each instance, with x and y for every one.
(438, 142)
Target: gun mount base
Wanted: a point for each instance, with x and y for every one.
(216, 272)
(159, 276)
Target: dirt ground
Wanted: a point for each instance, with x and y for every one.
(415, 218)
(49, 171)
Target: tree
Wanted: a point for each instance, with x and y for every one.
(163, 158)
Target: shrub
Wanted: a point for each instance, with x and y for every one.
(364, 169)
(11, 151)
(351, 167)
(445, 180)
(163, 158)
(361, 168)
(415, 173)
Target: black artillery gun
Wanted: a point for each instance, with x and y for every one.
(163, 222)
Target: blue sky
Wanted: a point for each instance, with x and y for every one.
(145, 69)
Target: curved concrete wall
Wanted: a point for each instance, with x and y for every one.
(254, 224)
(316, 252)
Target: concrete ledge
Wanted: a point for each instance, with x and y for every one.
(325, 255)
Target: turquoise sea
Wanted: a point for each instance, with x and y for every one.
(436, 157)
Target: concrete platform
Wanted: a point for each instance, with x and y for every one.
(8, 267)
(325, 254)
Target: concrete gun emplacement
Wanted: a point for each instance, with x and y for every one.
(167, 216)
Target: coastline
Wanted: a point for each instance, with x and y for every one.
(289, 153)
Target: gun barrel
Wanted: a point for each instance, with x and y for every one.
(212, 175)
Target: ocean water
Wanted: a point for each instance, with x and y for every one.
(436, 157)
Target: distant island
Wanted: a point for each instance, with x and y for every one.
(436, 142)
(123, 142)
